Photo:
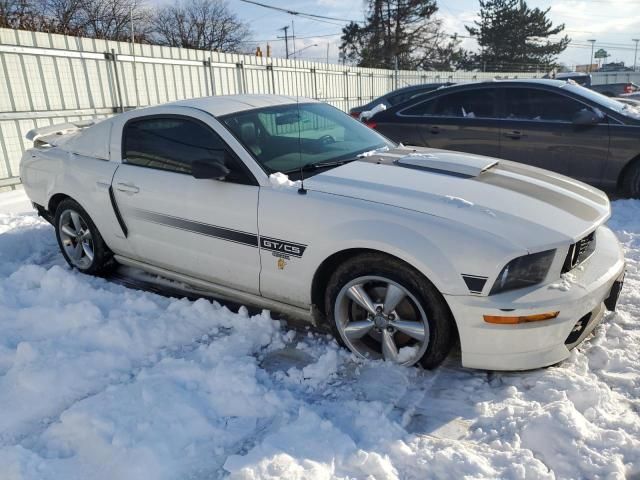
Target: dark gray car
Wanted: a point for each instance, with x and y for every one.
(550, 124)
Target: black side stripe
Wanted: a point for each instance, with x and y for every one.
(474, 283)
(228, 234)
(116, 210)
(236, 236)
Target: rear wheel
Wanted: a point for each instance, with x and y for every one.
(80, 241)
(380, 308)
(631, 181)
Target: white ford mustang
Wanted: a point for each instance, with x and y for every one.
(401, 251)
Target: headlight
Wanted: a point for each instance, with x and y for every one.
(524, 271)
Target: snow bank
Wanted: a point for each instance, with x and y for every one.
(99, 381)
(14, 202)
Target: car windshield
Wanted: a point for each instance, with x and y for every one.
(288, 137)
(608, 102)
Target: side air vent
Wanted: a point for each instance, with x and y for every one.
(474, 283)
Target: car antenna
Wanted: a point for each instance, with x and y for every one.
(301, 190)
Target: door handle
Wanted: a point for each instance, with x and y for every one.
(127, 188)
(435, 130)
(514, 134)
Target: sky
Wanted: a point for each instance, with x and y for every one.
(612, 23)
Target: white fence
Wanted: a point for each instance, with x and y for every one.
(601, 78)
(46, 79)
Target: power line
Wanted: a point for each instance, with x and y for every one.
(298, 38)
(308, 16)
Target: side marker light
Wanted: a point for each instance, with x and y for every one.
(500, 320)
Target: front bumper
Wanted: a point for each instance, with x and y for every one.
(579, 298)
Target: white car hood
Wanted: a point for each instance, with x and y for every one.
(533, 208)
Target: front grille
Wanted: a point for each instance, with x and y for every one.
(579, 252)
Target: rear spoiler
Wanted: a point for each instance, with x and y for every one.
(48, 135)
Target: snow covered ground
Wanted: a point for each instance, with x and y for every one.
(98, 381)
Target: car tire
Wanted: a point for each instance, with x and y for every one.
(400, 303)
(631, 181)
(79, 240)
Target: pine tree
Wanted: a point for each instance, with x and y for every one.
(514, 37)
(402, 31)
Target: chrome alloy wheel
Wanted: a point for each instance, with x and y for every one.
(76, 239)
(379, 318)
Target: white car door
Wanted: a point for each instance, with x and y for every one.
(205, 228)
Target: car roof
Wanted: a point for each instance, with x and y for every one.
(419, 86)
(535, 81)
(513, 81)
(572, 74)
(219, 105)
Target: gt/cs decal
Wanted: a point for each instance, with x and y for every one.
(282, 247)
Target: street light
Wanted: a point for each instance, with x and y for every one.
(303, 49)
(635, 55)
(591, 61)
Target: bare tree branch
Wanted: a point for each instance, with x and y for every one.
(203, 24)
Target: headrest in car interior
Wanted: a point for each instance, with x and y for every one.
(248, 133)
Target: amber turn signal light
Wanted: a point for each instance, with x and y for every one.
(521, 319)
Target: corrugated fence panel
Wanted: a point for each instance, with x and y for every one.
(600, 78)
(49, 78)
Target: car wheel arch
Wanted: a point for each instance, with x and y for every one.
(56, 200)
(329, 264)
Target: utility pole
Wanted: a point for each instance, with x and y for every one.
(293, 38)
(133, 38)
(635, 55)
(593, 42)
(286, 40)
(133, 52)
(395, 71)
(328, 52)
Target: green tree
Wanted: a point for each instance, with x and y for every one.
(514, 37)
(402, 31)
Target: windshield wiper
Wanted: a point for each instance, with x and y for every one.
(318, 166)
(337, 163)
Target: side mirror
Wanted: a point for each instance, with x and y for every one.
(212, 169)
(586, 116)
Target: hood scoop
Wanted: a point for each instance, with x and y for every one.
(451, 163)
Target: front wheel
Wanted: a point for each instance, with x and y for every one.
(80, 241)
(380, 308)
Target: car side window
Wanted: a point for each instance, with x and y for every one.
(401, 97)
(540, 105)
(173, 143)
(420, 109)
(479, 103)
